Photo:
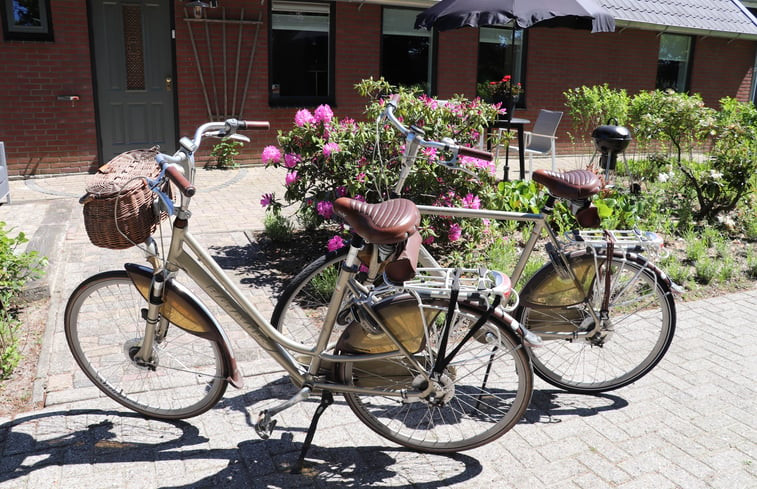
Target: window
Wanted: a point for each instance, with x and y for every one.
(674, 62)
(301, 54)
(27, 20)
(500, 53)
(406, 53)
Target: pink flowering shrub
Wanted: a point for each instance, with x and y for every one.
(328, 157)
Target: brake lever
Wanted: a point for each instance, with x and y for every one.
(452, 165)
(239, 137)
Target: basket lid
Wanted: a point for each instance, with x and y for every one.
(121, 172)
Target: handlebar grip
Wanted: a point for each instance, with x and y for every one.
(186, 188)
(475, 153)
(255, 125)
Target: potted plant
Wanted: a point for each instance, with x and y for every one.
(504, 92)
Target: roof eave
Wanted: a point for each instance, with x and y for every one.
(629, 24)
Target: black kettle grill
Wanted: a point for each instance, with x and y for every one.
(610, 140)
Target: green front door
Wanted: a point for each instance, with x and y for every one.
(133, 53)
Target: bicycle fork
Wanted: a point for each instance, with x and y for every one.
(145, 356)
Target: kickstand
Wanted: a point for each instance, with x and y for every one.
(326, 400)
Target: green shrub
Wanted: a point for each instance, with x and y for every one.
(16, 269)
(9, 351)
(589, 107)
(696, 248)
(278, 228)
(727, 269)
(679, 272)
(665, 116)
(751, 262)
(328, 158)
(705, 270)
(225, 151)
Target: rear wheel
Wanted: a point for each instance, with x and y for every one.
(301, 308)
(480, 395)
(105, 329)
(628, 345)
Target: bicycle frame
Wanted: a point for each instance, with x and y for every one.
(186, 254)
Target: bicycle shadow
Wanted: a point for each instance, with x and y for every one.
(95, 436)
(123, 438)
(549, 406)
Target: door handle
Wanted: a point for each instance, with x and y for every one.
(169, 84)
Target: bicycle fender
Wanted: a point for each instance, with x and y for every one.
(547, 289)
(184, 310)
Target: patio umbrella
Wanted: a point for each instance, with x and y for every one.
(580, 14)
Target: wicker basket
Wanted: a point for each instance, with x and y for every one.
(114, 185)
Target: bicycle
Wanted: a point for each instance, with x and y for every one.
(605, 312)
(428, 369)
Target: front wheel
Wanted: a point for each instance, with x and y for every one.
(576, 355)
(104, 329)
(481, 394)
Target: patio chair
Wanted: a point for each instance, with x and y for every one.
(541, 139)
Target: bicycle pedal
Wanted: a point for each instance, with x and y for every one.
(265, 425)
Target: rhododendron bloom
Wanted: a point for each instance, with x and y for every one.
(359, 197)
(271, 154)
(361, 177)
(324, 114)
(325, 209)
(291, 160)
(341, 191)
(428, 240)
(330, 148)
(335, 243)
(303, 117)
(471, 201)
(266, 200)
(430, 153)
(291, 177)
(455, 232)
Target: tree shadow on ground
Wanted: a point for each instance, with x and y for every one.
(269, 264)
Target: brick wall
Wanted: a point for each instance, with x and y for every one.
(44, 135)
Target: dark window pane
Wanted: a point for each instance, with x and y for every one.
(405, 60)
(673, 62)
(301, 71)
(492, 62)
(300, 63)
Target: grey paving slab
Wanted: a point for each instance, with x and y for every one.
(689, 424)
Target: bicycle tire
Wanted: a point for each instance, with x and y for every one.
(301, 308)
(488, 388)
(642, 317)
(103, 325)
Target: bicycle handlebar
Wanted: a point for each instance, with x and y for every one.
(445, 145)
(175, 166)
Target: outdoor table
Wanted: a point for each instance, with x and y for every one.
(516, 123)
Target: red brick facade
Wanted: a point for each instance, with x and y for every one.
(45, 135)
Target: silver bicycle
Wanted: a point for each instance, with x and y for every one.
(434, 365)
(605, 312)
